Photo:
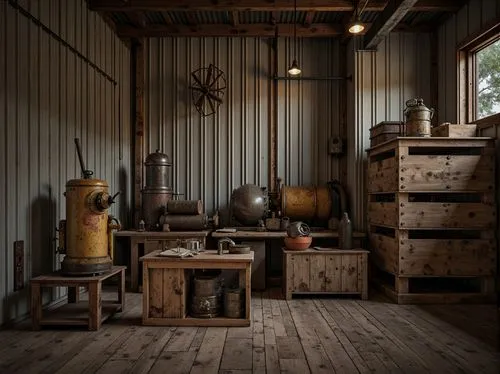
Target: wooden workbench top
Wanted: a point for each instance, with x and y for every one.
(279, 234)
(163, 234)
(207, 256)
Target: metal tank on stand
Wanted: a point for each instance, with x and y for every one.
(157, 191)
(85, 237)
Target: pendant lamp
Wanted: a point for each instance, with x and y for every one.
(294, 68)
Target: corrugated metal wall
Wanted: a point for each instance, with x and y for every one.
(383, 80)
(215, 154)
(467, 21)
(48, 96)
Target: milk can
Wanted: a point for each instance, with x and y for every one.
(418, 118)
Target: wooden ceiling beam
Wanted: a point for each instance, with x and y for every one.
(137, 18)
(262, 5)
(214, 30)
(393, 13)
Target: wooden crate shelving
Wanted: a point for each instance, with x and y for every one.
(431, 214)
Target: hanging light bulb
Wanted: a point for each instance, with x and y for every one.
(356, 26)
(294, 68)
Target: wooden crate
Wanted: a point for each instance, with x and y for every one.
(166, 292)
(333, 271)
(433, 210)
(385, 131)
(432, 165)
(432, 216)
(416, 252)
(436, 290)
(449, 130)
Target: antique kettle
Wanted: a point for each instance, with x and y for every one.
(418, 118)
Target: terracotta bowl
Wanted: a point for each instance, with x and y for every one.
(299, 243)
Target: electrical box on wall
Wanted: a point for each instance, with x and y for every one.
(335, 146)
(18, 265)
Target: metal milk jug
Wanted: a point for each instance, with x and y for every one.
(418, 118)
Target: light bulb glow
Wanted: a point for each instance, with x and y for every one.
(294, 69)
(356, 28)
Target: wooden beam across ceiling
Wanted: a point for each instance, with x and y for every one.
(262, 5)
(215, 30)
(393, 13)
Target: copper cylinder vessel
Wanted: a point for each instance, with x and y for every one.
(87, 228)
(157, 191)
(306, 203)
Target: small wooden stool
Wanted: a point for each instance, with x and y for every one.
(76, 313)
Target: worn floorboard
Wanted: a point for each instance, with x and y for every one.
(316, 335)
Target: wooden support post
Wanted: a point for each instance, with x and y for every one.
(138, 76)
(95, 304)
(121, 289)
(36, 305)
(273, 115)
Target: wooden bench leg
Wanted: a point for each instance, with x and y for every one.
(95, 305)
(36, 305)
(134, 265)
(73, 294)
(121, 289)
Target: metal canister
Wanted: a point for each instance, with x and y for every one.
(206, 285)
(233, 302)
(306, 203)
(87, 229)
(157, 191)
(205, 306)
(185, 207)
(418, 118)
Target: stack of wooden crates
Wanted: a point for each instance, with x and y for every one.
(432, 218)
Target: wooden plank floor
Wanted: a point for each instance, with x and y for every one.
(307, 335)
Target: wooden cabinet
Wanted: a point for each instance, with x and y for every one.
(333, 271)
(166, 292)
(432, 218)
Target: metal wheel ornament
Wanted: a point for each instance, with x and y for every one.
(207, 89)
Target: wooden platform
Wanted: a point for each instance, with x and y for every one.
(303, 336)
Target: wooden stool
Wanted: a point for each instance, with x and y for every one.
(77, 313)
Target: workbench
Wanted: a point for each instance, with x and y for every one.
(150, 241)
(166, 294)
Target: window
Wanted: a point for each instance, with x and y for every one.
(479, 76)
(487, 80)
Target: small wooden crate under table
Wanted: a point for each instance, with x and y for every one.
(77, 313)
(166, 287)
(332, 271)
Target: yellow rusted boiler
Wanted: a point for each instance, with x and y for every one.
(86, 234)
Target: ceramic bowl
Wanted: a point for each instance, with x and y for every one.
(299, 243)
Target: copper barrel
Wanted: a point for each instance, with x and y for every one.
(306, 203)
(185, 222)
(185, 207)
(86, 235)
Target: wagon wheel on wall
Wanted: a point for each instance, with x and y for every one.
(207, 89)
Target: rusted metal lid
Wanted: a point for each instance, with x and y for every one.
(157, 158)
(87, 182)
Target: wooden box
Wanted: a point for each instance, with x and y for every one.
(166, 290)
(449, 130)
(385, 131)
(432, 165)
(327, 271)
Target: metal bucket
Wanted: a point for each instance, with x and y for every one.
(234, 303)
(205, 306)
(418, 118)
(306, 203)
(206, 286)
(153, 205)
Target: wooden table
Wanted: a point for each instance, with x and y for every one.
(334, 271)
(77, 313)
(154, 240)
(253, 234)
(166, 287)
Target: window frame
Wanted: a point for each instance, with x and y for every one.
(466, 50)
